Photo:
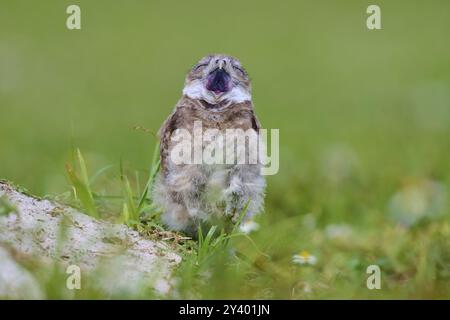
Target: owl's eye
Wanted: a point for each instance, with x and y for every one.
(199, 66)
(239, 69)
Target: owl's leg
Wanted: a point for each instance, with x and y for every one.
(187, 184)
(246, 186)
(176, 217)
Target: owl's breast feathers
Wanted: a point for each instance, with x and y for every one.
(187, 111)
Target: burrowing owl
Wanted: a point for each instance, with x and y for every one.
(216, 96)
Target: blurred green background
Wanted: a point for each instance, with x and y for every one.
(363, 115)
(318, 75)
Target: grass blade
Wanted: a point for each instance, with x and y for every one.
(83, 192)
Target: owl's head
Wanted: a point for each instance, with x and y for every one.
(218, 78)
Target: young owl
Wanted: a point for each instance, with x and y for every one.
(216, 95)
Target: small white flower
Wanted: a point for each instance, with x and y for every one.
(303, 258)
(249, 226)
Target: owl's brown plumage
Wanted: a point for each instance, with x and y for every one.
(217, 93)
(187, 110)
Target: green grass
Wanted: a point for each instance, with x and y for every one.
(364, 119)
(82, 186)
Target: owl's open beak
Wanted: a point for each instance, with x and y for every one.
(218, 81)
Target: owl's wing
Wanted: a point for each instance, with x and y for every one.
(165, 133)
(256, 125)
